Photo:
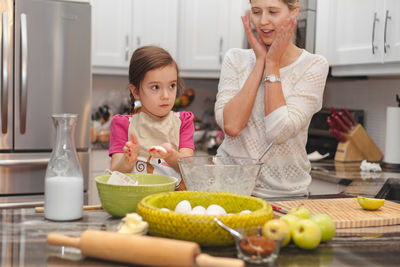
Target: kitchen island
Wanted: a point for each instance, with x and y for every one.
(23, 231)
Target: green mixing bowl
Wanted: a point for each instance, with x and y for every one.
(118, 200)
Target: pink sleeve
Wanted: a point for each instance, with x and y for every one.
(118, 133)
(187, 130)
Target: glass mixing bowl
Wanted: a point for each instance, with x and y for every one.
(220, 173)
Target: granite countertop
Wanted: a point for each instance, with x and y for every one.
(370, 184)
(24, 243)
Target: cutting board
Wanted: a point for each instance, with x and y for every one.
(346, 212)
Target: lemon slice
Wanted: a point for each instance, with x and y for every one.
(370, 203)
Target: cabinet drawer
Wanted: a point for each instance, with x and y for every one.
(100, 160)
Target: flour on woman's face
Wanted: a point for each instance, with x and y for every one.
(267, 16)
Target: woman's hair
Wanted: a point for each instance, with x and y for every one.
(148, 58)
(290, 3)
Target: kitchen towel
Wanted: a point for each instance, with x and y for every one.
(392, 148)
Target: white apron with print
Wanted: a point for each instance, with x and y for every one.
(153, 131)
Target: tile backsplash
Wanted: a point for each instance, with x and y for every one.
(373, 95)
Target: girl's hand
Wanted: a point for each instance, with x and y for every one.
(281, 42)
(258, 46)
(161, 152)
(131, 149)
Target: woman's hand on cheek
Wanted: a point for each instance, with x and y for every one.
(258, 46)
(131, 149)
(281, 42)
(162, 151)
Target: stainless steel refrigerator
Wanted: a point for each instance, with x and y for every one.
(45, 69)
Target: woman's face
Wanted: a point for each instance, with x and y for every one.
(157, 90)
(267, 16)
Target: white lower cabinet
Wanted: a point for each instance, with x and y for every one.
(99, 161)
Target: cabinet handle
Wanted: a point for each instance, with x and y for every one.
(126, 48)
(138, 41)
(373, 34)
(221, 42)
(386, 46)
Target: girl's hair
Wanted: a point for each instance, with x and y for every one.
(290, 3)
(148, 58)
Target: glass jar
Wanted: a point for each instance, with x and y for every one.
(64, 179)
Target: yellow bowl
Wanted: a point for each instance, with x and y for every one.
(202, 228)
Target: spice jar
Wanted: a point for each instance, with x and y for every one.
(254, 247)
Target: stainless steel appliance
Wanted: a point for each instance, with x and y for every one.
(305, 32)
(45, 69)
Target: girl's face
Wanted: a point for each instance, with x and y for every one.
(267, 16)
(157, 91)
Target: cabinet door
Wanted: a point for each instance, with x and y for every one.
(111, 27)
(391, 24)
(100, 161)
(203, 33)
(155, 22)
(355, 31)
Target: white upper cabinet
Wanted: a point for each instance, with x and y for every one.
(359, 37)
(155, 22)
(391, 37)
(207, 29)
(197, 33)
(121, 26)
(111, 29)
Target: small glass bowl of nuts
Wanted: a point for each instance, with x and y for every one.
(254, 247)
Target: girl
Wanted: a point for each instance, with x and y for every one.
(152, 140)
(268, 94)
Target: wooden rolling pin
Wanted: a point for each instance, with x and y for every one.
(145, 250)
(89, 207)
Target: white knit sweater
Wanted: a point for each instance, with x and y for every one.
(286, 169)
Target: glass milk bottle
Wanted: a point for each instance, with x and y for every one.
(63, 193)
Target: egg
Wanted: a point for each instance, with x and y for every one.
(215, 209)
(183, 207)
(200, 210)
(165, 209)
(245, 211)
(158, 148)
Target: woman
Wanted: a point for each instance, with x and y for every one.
(269, 94)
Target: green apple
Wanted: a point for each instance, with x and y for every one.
(277, 230)
(301, 212)
(326, 225)
(290, 219)
(306, 234)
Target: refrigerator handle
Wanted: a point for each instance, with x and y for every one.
(4, 76)
(24, 74)
(24, 162)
